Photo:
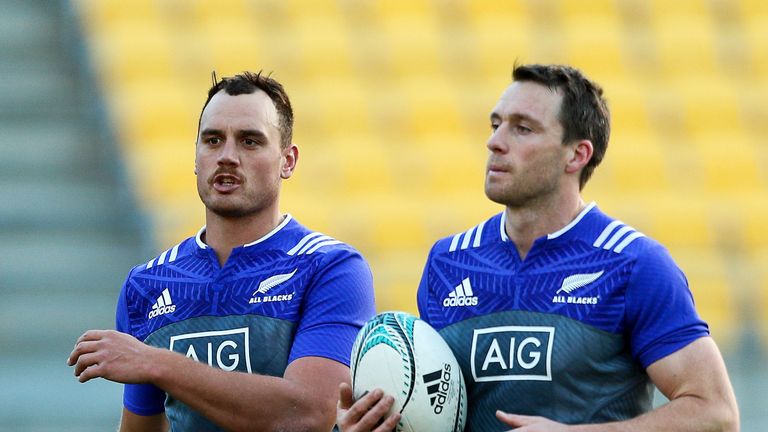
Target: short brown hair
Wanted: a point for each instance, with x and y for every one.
(248, 83)
(584, 112)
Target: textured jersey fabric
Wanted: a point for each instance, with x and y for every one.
(291, 294)
(565, 333)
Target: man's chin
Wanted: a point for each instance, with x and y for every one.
(232, 212)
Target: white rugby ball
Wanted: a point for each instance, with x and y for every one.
(409, 360)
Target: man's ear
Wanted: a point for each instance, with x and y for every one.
(290, 158)
(579, 156)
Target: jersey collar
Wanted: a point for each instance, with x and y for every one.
(554, 235)
(287, 219)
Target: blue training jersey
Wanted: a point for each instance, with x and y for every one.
(291, 294)
(566, 333)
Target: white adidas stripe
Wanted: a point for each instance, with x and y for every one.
(302, 242)
(478, 234)
(630, 238)
(454, 242)
(321, 244)
(314, 241)
(606, 232)
(466, 238)
(620, 238)
(311, 243)
(174, 253)
(616, 237)
(169, 254)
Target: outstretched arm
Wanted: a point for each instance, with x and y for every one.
(695, 381)
(303, 399)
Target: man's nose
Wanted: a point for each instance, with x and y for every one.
(228, 153)
(495, 142)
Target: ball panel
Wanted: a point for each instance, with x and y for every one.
(409, 360)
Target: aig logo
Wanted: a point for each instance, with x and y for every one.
(225, 349)
(512, 353)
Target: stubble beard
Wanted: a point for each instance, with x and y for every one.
(522, 193)
(238, 207)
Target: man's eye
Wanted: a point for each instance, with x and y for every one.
(494, 126)
(522, 129)
(250, 142)
(213, 140)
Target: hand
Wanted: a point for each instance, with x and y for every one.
(523, 423)
(365, 414)
(111, 355)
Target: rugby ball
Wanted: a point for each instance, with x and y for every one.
(409, 360)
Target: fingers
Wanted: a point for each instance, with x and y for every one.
(84, 344)
(511, 419)
(367, 412)
(84, 362)
(389, 424)
(380, 406)
(364, 405)
(92, 371)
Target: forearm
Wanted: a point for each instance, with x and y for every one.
(235, 400)
(687, 413)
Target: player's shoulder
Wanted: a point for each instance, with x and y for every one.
(609, 234)
(482, 234)
(171, 255)
(302, 242)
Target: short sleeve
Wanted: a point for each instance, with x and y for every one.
(141, 399)
(339, 301)
(422, 294)
(661, 315)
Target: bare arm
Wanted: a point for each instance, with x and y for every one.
(695, 381)
(131, 422)
(304, 399)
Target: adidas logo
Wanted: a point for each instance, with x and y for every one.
(163, 305)
(462, 295)
(438, 384)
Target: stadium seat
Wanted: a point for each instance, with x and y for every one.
(708, 279)
(392, 101)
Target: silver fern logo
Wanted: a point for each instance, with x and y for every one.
(260, 295)
(577, 281)
(273, 281)
(574, 282)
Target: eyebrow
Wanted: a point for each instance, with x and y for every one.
(519, 116)
(240, 133)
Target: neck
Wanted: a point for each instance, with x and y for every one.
(524, 224)
(224, 234)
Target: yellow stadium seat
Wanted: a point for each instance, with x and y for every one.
(729, 162)
(709, 104)
(685, 37)
(635, 162)
(431, 105)
(716, 301)
(593, 37)
(501, 33)
(681, 221)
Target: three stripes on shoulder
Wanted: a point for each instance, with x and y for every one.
(170, 254)
(467, 238)
(610, 236)
(615, 237)
(312, 242)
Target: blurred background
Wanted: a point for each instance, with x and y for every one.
(98, 115)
